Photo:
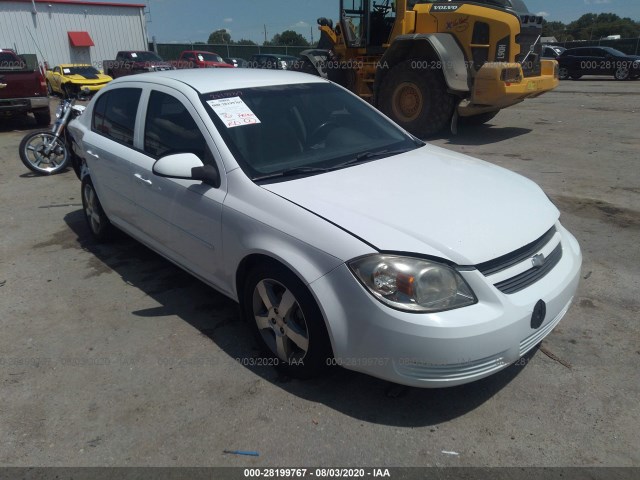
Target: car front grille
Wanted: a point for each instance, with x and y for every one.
(530, 276)
(513, 258)
(452, 372)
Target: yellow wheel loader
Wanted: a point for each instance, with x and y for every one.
(427, 64)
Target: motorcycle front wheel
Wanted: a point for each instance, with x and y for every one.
(43, 153)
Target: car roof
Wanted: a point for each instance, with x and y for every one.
(208, 80)
(67, 65)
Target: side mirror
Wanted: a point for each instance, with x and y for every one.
(187, 166)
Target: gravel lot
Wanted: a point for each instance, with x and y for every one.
(110, 355)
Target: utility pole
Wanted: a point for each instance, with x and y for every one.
(265, 33)
(311, 28)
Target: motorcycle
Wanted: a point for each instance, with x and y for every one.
(49, 151)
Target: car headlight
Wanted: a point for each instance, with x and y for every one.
(412, 284)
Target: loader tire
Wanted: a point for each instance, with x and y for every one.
(416, 99)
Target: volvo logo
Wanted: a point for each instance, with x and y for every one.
(538, 260)
(445, 8)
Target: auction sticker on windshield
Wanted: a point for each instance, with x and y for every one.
(233, 112)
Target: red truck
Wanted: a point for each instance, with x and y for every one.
(131, 62)
(22, 89)
(201, 59)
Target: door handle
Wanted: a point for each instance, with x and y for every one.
(143, 180)
(89, 152)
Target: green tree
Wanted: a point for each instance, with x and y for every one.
(288, 38)
(593, 26)
(219, 36)
(554, 29)
(244, 41)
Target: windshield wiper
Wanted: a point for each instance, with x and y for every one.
(367, 156)
(289, 172)
(359, 158)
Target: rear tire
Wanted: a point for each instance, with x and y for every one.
(416, 99)
(287, 321)
(99, 225)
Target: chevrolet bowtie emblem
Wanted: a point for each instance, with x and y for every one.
(538, 260)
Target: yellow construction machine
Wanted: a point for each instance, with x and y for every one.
(427, 64)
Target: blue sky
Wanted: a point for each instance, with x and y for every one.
(194, 20)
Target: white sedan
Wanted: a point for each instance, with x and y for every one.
(345, 240)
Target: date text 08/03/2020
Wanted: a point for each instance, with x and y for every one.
(316, 472)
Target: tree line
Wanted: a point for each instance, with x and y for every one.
(287, 38)
(592, 26)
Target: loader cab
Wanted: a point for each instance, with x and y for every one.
(367, 23)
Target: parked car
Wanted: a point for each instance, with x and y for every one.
(201, 59)
(576, 62)
(551, 51)
(237, 62)
(22, 89)
(273, 61)
(129, 62)
(345, 239)
(68, 78)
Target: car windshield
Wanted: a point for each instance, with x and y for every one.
(144, 57)
(209, 57)
(303, 129)
(81, 70)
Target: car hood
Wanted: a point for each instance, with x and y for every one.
(429, 201)
(88, 78)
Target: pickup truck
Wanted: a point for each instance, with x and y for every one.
(201, 59)
(22, 89)
(132, 62)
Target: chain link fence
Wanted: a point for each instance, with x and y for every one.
(172, 51)
(630, 46)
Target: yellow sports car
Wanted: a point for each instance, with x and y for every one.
(64, 79)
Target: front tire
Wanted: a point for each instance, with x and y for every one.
(99, 224)
(286, 320)
(416, 99)
(563, 73)
(34, 155)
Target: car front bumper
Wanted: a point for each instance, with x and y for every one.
(448, 348)
(91, 87)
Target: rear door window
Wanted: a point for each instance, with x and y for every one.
(114, 114)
